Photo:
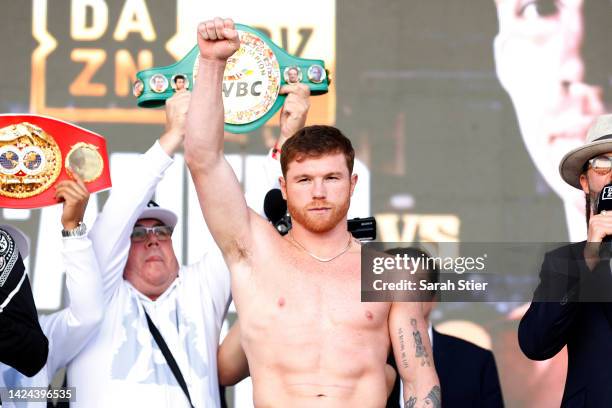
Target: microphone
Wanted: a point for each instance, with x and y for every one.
(363, 229)
(275, 208)
(604, 203)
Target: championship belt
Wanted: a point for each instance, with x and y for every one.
(252, 80)
(37, 151)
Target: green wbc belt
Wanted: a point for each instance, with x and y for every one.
(252, 80)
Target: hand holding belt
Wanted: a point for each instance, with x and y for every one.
(37, 151)
(252, 80)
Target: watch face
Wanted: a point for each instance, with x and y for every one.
(251, 80)
(79, 231)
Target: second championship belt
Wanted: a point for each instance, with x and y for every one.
(37, 152)
(251, 84)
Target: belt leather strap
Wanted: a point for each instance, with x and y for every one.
(252, 80)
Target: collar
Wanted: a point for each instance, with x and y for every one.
(161, 298)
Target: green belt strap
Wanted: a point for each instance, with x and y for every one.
(253, 77)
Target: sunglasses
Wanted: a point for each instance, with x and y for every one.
(601, 164)
(162, 233)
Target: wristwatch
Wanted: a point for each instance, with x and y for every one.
(79, 231)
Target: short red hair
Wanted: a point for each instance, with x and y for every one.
(314, 142)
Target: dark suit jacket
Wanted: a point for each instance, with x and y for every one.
(23, 344)
(467, 373)
(559, 316)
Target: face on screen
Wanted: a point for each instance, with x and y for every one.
(539, 63)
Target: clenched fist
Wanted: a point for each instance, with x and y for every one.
(217, 39)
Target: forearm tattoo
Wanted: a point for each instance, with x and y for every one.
(402, 342)
(421, 352)
(434, 398)
(410, 403)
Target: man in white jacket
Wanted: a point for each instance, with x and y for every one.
(123, 366)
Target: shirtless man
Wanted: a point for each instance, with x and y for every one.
(308, 338)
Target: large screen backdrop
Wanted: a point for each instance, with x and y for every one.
(459, 113)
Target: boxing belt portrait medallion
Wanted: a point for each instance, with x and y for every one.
(37, 151)
(251, 84)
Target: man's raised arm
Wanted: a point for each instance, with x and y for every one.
(219, 192)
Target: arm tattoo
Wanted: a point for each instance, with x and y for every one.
(434, 399)
(400, 333)
(418, 343)
(410, 403)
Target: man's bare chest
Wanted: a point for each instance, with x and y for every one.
(305, 298)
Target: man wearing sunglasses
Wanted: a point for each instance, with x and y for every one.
(147, 291)
(152, 304)
(571, 305)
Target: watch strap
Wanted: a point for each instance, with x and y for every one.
(79, 231)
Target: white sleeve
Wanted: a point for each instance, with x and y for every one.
(110, 234)
(213, 271)
(270, 171)
(69, 329)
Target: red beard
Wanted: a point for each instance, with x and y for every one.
(318, 223)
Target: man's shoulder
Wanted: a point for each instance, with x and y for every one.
(570, 250)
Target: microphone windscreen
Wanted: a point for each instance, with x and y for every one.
(604, 201)
(275, 206)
